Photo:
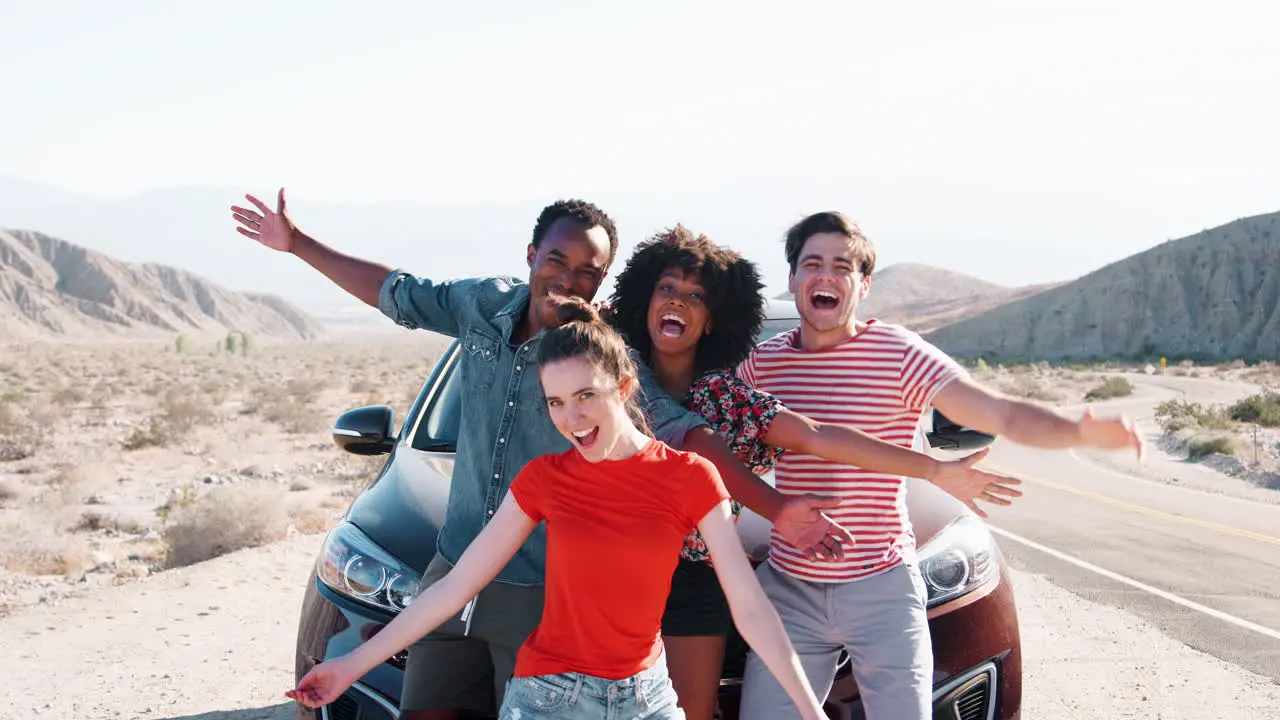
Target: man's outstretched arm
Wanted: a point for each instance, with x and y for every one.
(273, 228)
(973, 405)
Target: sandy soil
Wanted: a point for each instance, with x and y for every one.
(120, 460)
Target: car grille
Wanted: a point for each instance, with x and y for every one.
(970, 696)
(359, 703)
(344, 708)
(972, 705)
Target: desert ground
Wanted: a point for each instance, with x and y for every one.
(161, 504)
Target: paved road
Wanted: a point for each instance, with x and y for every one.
(1204, 567)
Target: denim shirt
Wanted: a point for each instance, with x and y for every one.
(505, 422)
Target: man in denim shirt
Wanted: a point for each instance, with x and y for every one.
(464, 665)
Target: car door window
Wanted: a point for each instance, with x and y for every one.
(439, 429)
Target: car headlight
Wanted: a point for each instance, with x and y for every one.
(353, 565)
(957, 560)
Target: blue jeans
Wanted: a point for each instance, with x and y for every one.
(647, 695)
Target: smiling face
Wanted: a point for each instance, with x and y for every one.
(570, 261)
(828, 284)
(587, 406)
(678, 315)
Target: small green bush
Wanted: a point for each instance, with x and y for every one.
(1112, 387)
(1175, 415)
(1263, 409)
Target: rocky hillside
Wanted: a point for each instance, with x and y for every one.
(924, 298)
(1214, 295)
(53, 288)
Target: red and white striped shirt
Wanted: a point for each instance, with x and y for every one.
(880, 381)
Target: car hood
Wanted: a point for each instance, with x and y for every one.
(405, 507)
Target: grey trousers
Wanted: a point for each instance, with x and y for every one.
(879, 620)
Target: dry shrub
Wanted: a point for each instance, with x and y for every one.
(19, 434)
(94, 520)
(33, 546)
(1202, 445)
(229, 518)
(291, 406)
(69, 395)
(313, 520)
(1026, 386)
(1112, 387)
(180, 413)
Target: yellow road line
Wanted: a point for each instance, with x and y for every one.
(1132, 507)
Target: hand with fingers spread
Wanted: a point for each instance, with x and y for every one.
(802, 523)
(965, 482)
(323, 684)
(1113, 433)
(273, 229)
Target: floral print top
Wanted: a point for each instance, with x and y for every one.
(741, 416)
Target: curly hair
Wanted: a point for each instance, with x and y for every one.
(587, 214)
(733, 299)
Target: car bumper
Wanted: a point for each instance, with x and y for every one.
(329, 626)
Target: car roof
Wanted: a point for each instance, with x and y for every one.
(779, 309)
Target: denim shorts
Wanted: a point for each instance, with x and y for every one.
(647, 695)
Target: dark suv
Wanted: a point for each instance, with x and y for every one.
(370, 564)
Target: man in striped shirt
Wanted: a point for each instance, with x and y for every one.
(880, 378)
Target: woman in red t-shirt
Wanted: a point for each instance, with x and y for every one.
(618, 506)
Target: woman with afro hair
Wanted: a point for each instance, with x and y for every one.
(692, 310)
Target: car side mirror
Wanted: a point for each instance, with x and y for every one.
(947, 435)
(365, 431)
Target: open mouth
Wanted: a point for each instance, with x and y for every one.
(824, 300)
(672, 325)
(584, 439)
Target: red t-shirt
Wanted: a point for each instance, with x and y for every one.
(614, 533)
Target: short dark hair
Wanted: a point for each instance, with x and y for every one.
(587, 214)
(864, 253)
(733, 287)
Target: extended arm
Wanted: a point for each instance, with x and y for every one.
(973, 405)
(361, 278)
(483, 559)
(848, 445)
(273, 228)
(753, 614)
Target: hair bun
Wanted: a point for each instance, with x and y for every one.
(576, 310)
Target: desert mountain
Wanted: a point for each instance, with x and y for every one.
(1213, 295)
(53, 288)
(924, 298)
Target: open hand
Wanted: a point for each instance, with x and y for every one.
(323, 684)
(968, 484)
(802, 523)
(1113, 433)
(273, 229)
(605, 309)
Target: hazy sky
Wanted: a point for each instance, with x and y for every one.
(1155, 118)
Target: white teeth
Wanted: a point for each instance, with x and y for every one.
(675, 318)
(824, 293)
(583, 433)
